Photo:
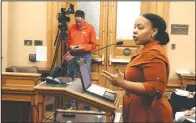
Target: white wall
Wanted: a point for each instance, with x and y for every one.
(183, 57)
(4, 34)
(27, 20)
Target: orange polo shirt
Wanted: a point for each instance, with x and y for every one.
(84, 36)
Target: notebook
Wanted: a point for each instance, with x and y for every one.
(91, 88)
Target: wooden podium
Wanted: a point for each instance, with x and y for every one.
(75, 91)
(19, 87)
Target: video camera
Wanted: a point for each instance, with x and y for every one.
(63, 19)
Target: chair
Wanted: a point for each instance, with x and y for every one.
(22, 69)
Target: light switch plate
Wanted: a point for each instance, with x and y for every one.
(32, 57)
(37, 42)
(28, 42)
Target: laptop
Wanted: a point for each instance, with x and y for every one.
(91, 88)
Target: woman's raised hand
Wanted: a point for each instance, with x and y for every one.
(116, 79)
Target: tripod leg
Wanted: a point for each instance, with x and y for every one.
(64, 46)
(62, 53)
(56, 52)
(56, 37)
(59, 43)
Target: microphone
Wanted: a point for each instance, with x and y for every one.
(68, 57)
(61, 73)
(94, 43)
(119, 43)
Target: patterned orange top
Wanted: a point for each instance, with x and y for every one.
(150, 67)
(85, 36)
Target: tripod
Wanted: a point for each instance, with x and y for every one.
(58, 42)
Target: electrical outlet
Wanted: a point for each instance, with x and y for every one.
(173, 46)
(37, 42)
(28, 42)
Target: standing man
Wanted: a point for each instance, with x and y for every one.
(81, 41)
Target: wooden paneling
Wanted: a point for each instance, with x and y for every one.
(145, 7)
(19, 87)
(158, 7)
(102, 41)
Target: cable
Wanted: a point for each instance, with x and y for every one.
(37, 118)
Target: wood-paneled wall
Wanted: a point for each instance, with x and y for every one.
(158, 7)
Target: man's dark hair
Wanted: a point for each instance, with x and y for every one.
(80, 13)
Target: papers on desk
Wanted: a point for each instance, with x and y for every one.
(191, 118)
(182, 92)
(41, 53)
(182, 72)
(117, 117)
(180, 117)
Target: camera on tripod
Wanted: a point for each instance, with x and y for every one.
(63, 19)
(61, 70)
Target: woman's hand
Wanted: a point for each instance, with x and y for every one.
(189, 112)
(192, 93)
(116, 79)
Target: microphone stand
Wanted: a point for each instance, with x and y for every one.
(117, 43)
(98, 49)
(102, 48)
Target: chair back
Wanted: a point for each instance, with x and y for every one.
(22, 69)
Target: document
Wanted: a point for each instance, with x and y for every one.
(182, 92)
(180, 117)
(117, 117)
(182, 72)
(191, 118)
(41, 53)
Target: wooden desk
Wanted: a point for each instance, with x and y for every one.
(75, 91)
(19, 87)
(187, 79)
